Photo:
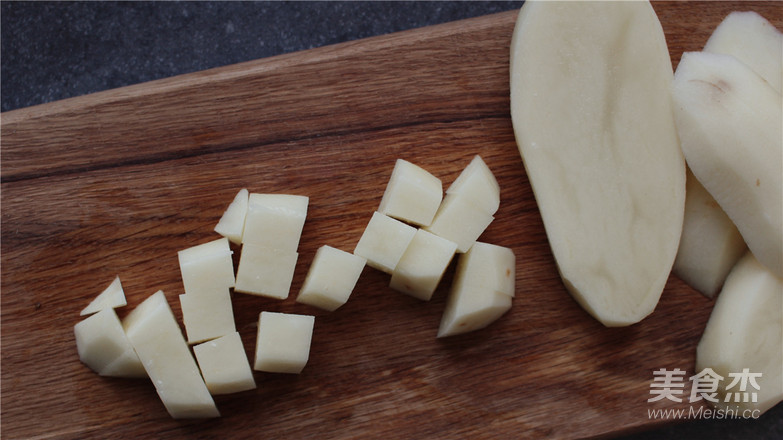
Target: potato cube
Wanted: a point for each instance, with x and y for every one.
(384, 241)
(232, 223)
(477, 299)
(422, 265)
(224, 365)
(472, 308)
(111, 297)
(207, 316)
(490, 266)
(207, 267)
(126, 365)
(460, 221)
(283, 342)
(154, 333)
(412, 194)
(478, 184)
(275, 221)
(265, 271)
(331, 278)
(103, 346)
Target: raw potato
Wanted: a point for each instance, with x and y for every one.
(491, 266)
(469, 206)
(422, 265)
(592, 115)
(729, 122)
(112, 297)
(265, 271)
(745, 331)
(283, 342)
(103, 346)
(232, 223)
(331, 278)
(460, 220)
(481, 291)
(412, 194)
(275, 220)
(155, 335)
(754, 41)
(477, 183)
(207, 268)
(207, 316)
(710, 243)
(224, 365)
(383, 242)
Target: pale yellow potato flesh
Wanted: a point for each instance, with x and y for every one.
(745, 331)
(412, 194)
(112, 297)
(710, 244)
(754, 41)
(592, 115)
(154, 333)
(729, 120)
(232, 224)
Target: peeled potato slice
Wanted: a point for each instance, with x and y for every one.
(729, 122)
(710, 244)
(591, 111)
(745, 331)
(754, 41)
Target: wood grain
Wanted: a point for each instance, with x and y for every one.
(117, 182)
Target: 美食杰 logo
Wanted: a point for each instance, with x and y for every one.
(706, 385)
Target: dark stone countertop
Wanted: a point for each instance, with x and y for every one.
(56, 50)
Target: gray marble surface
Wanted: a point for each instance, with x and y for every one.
(56, 50)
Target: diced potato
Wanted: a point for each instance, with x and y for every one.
(103, 346)
(283, 343)
(265, 271)
(460, 220)
(710, 243)
(384, 241)
(729, 124)
(488, 266)
(224, 365)
(745, 331)
(422, 265)
(111, 297)
(275, 221)
(477, 183)
(472, 308)
(207, 316)
(153, 331)
(412, 194)
(126, 365)
(331, 278)
(482, 289)
(754, 41)
(232, 223)
(592, 114)
(207, 268)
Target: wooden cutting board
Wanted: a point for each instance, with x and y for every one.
(117, 182)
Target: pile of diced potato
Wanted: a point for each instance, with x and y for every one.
(413, 236)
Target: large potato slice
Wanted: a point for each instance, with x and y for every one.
(729, 121)
(710, 244)
(591, 110)
(745, 331)
(752, 39)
